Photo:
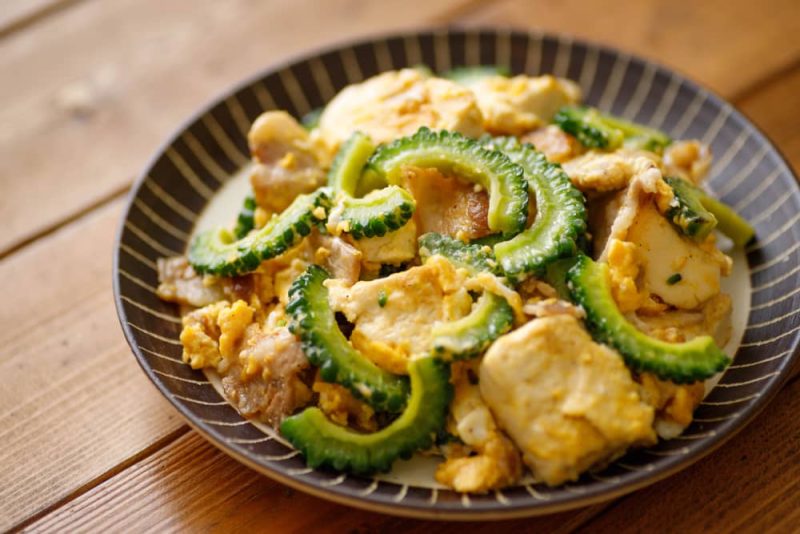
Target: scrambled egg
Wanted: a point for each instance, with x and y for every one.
(232, 322)
(600, 172)
(214, 332)
(566, 401)
(288, 162)
(674, 403)
(341, 407)
(496, 463)
(623, 268)
(200, 334)
(690, 160)
(395, 104)
(513, 106)
(393, 316)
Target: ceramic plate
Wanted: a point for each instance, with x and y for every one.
(748, 173)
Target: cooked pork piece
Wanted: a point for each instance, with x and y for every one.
(341, 259)
(447, 205)
(179, 283)
(557, 145)
(270, 378)
(287, 162)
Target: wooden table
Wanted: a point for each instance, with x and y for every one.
(90, 89)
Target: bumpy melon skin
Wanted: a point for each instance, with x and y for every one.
(380, 211)
(696, 213)
(682, 363)
(470, 336)
(218, 252)
(560, 226)
(491, 317)
(246, 219)
(349, 163)
(687, 212)
(595, 129)
(472, 257)
(326, 444)
(313, 320)
(453, 153)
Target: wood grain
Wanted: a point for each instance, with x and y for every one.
(18, 14)
(189, 482)
(726, 44)
(96, 88)
(89, 92)
(751, 484)
(776, 109)
(73, 404)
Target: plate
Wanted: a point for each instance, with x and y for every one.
(748, 173)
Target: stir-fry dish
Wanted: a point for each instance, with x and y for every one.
(471, 265)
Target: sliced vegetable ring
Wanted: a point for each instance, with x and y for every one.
(491, 317)
(560, 225)
(464, 157)
(313, 320)
(324, 443)
(695, 213)
(217, 251)
(595, 129)
(474, 258)
(246, 219)
(380, 211)
(687, 212)
(686, 362)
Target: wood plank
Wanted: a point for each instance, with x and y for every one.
(59, 313)
(775, 109)
(751, 484)
(209, 490)
(96, 88)
(17, 14)
(725, 44)
(189, 482)
(74, 403)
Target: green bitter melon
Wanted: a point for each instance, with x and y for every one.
(326, 444)
(685, 362)
(313, 320)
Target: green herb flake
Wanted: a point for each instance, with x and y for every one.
(674, 279)
(382, 298)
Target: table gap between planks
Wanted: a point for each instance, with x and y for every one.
(92, 88)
